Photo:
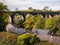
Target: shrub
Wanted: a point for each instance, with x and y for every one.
(26, 39)
(53, 23)
(34, 40)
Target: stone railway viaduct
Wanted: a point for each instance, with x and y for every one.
(24, 13)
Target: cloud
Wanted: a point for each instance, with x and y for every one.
(47, 0)
(17, 2)
(38, 4)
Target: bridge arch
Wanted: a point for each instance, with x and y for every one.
(32, 13)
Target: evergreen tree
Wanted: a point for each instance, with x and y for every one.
(3, 16)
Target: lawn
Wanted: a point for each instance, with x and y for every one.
(8, 38)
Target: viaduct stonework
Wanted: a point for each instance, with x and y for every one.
(24, 13)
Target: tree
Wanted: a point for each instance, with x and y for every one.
(45, 8)
(28, 16)
(3, 7)
(30, 8)
(18, 20)
(53, 24)
(34, 22)
(28, 24)
(3, 16)
(39, 22)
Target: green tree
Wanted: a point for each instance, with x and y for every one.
(3, 7)
(3, 16)
(45, 8)
(30, 8)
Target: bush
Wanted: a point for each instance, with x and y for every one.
(53, 24)
(26, 39)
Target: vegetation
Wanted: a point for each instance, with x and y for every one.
(3, 7)
(28, 24)
(45, 43)
(34, 22)
(27, 39)
(39, 22)
(25, 11)
(18, 20)
(53, 23)
(58, 33)
(3, 16)
(7, 38)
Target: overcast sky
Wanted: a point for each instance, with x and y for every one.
(37, 4)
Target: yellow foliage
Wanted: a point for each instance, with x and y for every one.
(28, 23)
